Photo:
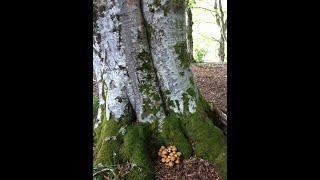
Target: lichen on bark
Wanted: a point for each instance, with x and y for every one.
(140, 65)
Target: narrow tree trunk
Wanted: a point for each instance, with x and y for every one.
(222, 24)
(221, 53)
(146, 90)
(189, 33)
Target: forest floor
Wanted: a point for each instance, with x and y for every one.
(211, 79)
(190, 169)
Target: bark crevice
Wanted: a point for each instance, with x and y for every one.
(146, 25)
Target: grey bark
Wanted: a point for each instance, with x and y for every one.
(109, 51)
(142, 59)
(168, 41)
(145, 97)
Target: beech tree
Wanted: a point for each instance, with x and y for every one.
(147, 95)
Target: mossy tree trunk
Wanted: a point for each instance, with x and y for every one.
(147, 96)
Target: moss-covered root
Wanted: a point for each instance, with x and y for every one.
(136, 151)
(172, 134)
(209, 141)
(108, 144)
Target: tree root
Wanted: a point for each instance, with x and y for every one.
(190, 133)
(218, 117)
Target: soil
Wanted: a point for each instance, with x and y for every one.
(191, 169)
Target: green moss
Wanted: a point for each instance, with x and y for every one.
(95, 104)
(97, 131)
(207, 137)
(146, 86)
(149, 30)
(167, 92)
(181, 73)
(154, 126)
(157, 97)
(172, 134)
(149, 77)
(178, 104)
(191, 92)
(191, 80)
(208, 109)
(107, 151)
(165, 10)
(157, 3)
(185, 98)
(181, 50)
(136, 151)
(145, 57)
(171, 103)
(221, 164)
(147, 109)
(96, 135)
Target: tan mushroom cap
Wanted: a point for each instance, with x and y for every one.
(169, 155)
(164, 152)
(174, 148)
(172, 158)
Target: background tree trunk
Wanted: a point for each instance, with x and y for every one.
(189, 33)
(147, 95)
(222, 23)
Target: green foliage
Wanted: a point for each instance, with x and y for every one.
(199, 54)
(191, 3)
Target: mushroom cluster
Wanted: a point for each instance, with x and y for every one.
(169, 155)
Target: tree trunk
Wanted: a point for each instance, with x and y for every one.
(222, 23)
(221, 53)
(189, 33)
(147, 96)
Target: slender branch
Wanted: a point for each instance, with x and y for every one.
(215, 39)
(213, 12)
(198, 7)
